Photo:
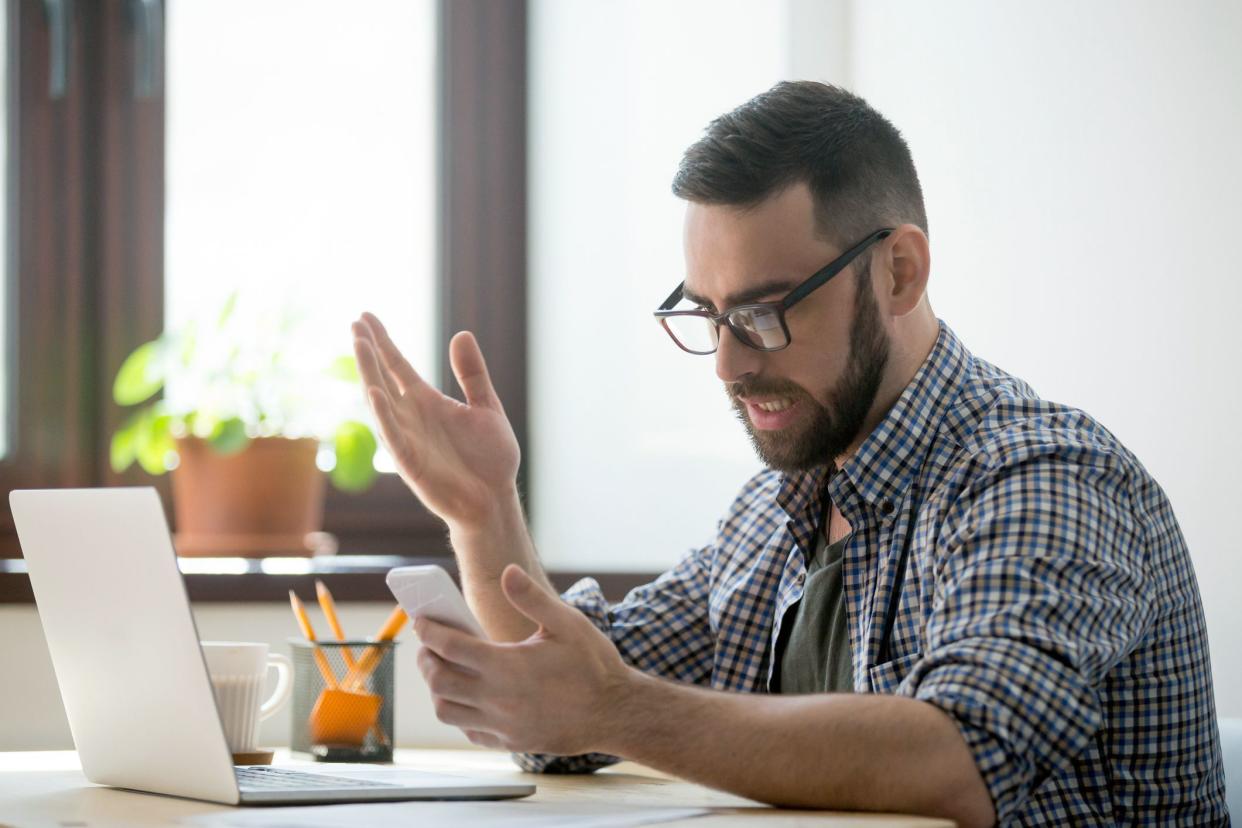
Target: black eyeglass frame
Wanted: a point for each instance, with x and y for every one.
(815, 281)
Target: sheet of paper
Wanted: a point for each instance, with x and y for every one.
(512, 814)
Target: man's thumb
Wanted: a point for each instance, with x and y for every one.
(530, 599)
(466, 359)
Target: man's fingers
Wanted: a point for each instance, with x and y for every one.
(381, 395)
(471, 371)
(483, 739)
(407, 378)
(390, 430)
(373, 374)
(459, 715)
(530, 599)
(446, 681)
(455, 694)
(454, 646)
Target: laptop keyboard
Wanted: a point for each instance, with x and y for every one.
(265, 778)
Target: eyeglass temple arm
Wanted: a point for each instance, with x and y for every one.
(673, 298)
(809, 285)
(839, 264)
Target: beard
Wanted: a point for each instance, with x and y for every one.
(829, 430)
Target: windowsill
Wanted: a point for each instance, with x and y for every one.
(257, 580)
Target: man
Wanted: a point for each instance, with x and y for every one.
(945, 596)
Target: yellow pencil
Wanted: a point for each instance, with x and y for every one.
(371, 656)
(299, 612)
(329, 611)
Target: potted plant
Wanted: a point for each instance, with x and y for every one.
(253, 409)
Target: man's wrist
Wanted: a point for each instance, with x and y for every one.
(631, 704)
(484, 547)
(492, 530)
(497, 506)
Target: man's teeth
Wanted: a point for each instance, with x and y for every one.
(775, 405)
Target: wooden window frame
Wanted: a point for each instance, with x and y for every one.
(86, 269)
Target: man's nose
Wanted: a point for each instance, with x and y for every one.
(733, 359)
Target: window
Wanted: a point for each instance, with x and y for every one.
(303, 177)
(101, 261)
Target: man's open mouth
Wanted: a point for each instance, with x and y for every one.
(775, 405)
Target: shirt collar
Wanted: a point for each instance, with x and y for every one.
(879, 473)
(801, 497)
(888, 459)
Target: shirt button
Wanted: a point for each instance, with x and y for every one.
(887, 507)
(800, 580)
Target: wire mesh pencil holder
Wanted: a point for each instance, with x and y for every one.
(343, 700)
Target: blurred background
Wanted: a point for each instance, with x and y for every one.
(504, 167)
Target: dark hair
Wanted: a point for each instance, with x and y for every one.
(856, 163)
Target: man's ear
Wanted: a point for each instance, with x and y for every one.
(908, 258)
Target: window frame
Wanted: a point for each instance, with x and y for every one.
(51, 425)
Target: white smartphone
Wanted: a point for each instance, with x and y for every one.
(429, 592)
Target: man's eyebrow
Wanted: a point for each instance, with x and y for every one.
(743, 297)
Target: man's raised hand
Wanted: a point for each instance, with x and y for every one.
(460, 459)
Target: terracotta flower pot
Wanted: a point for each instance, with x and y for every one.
(264, 500)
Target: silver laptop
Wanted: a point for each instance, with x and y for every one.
(131, 672)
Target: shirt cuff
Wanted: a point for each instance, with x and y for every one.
(548, 763)
(1024, 716)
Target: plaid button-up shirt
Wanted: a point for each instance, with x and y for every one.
(1049, 605)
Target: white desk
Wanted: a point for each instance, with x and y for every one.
(48, 790)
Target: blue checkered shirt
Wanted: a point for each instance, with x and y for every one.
(1049, 604)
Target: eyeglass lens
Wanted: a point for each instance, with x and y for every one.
(758, 327)
(696, 334)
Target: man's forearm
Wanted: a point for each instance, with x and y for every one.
(858, 752)
(483, 551)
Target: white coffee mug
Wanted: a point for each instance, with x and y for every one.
(237, 671)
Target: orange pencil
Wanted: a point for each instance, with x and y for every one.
(299, 612)
(371, 657)
(396, 620)
(329, 611)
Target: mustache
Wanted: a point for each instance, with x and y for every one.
(757, 387)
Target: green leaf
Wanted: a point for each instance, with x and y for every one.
(123, 451)
(344, 368)
(226, 312)
(139, 377)
(355, 452)
(229, 436)
(153, 441)
(188, 342)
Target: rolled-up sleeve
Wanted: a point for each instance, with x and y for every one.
(1042, 590)
(661, 628)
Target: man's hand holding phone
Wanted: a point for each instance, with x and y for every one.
(562, 690)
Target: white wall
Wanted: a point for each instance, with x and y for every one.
(622, 423)
(1081, 170)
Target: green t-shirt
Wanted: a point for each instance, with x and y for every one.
(816, 656)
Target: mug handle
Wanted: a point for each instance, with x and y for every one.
(280, 696)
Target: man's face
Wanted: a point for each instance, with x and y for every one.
(805, 405)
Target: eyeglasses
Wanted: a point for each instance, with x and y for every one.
(760, 325)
